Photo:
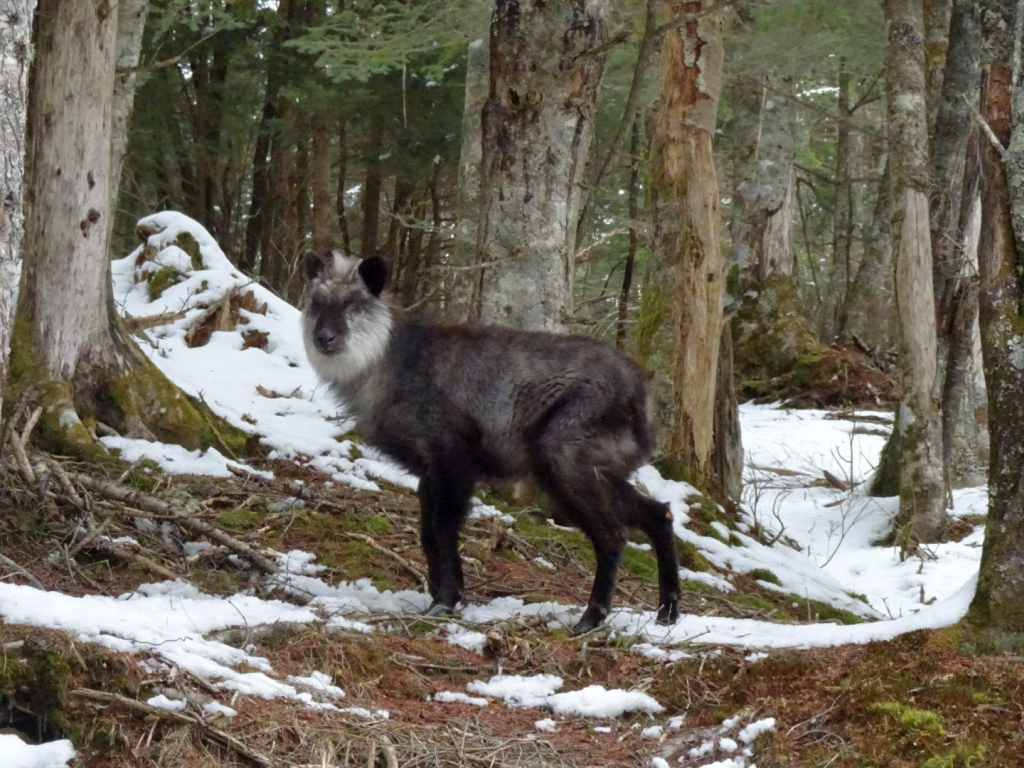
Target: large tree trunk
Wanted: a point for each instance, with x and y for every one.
(684, 190)
(922, 514)
(537, 125)
(997, 603)
(955, 168)
(770, 331)
(69, 349)
(15, 58)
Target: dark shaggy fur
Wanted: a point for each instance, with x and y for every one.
(454, 404)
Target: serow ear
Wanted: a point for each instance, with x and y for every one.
(374, 272)
(313, 264)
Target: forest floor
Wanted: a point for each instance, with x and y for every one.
(286, 632)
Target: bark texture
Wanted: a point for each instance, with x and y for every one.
(684, 192)
(922, 515)
(762, 199)
(131, 23)
(955, 168)
(868, 310)
(15, 58)
(840, 274)
(460, 284)
(69, 348)
(938, 40)
(537, 126)
(997, 602)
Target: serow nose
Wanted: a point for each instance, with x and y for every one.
(325, 339)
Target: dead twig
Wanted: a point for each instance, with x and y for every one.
(412, 569)
(208, 732)
(4, 560)
(139, 500)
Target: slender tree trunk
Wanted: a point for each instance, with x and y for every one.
(953, 126)
(537, 125)
(372, 186)
(131, 22)
(840, 275)
(955, 168)
(634, 234)
(684, 192)
(262, 203)
(15, 58)
(727, 457)
(868, 310)
(323, 232)
(938, 39)
(922, 515)
(342, 183)
(461, 287)
(997, 603)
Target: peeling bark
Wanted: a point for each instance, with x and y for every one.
(684, 192)
(537, 126)
(922, 514)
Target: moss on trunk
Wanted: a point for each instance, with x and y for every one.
(134, 399)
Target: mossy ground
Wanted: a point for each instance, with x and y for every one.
(917, 701)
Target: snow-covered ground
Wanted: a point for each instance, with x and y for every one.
(824, 549)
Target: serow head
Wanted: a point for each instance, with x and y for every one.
(344, 298)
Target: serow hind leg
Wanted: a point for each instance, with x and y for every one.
(655, 519)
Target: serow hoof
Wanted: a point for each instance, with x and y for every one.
(438, 609)
(668, 612)
(590, 621)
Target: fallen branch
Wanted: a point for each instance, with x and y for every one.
(208, 732)
(115, 549)
(134, 498)
(136, 324)
(4, 560)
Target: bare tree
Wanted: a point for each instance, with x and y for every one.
(684, 193)
(922, 515)
(546, 66)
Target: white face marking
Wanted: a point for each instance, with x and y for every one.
(369, 328)
(368, 337)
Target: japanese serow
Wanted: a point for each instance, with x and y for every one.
(455, 404)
